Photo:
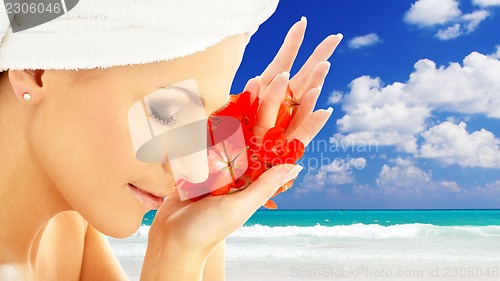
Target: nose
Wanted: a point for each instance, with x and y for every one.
(186, 149)
(192, 167)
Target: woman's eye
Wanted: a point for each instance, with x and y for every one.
(165, 121)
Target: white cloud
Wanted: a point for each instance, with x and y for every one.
(471, 88)
(452, 144)
(403, 142)
(364, 41)
(335, 97)
(473, 19)
(489, 190)
(486, 3)
(496, 55)
(405, 178)
(338, 172)
(380, 115)
(432, 12)
(466, 24)
(447, 15)
(449, 32)
(371, 106)
(493, 187)
(403, 174)
(398, 113)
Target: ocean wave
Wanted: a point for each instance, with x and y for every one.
(359, 230)
(369, 231)
(403, 242)
(142, 231)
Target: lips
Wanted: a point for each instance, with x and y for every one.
(148, 199)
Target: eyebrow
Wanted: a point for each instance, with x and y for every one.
(193, 97)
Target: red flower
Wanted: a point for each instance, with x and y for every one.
(227, 160)
(230, 169)
(287, 109)
(227, 165)
(241, 108)
(277, 150)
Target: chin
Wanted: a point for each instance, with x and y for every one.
(122, 227)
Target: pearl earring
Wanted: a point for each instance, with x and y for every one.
(26, 96)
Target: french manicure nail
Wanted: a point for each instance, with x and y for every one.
(317, 92)
(330, 109)
(286, 74)
(304, 19)
(340, 35)
(329, 64)
(292, 173)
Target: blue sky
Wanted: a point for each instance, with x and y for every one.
(416, 90)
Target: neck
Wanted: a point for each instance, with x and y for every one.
(30, 199)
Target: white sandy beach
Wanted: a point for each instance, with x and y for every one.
(362, 270)
(405, 252)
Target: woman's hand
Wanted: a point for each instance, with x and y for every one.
(306, 85)
(184, 233)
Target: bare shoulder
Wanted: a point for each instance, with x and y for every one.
(65, 223)
(59, 253)
(62, 247)
(65, 232)
(70, 249)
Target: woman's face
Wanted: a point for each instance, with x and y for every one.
(81, 137)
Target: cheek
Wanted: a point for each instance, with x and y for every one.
(85, 150)
(107, 138)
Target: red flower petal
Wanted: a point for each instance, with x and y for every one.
(296, 151)
(287, 110)
(222, 190)
(274, 149)
(270, 204)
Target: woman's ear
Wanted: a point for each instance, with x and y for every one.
(27, 85)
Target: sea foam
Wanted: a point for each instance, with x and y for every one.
(366, 231)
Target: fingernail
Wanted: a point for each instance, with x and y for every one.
(292, 173)
(286, 74)
(330, 109)
(316, 93)
(304, 19)
(257, 77)
(340, 35)
(328, 63)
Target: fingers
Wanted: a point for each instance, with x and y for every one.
(270, 104)
(322, 52)
(308, 101)
(253, 197)
(311, 126)
(304, 110)
(253, 86)
(317, 78)
(172, 201)
(286, 55)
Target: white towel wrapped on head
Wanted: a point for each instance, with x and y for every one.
(122, 32)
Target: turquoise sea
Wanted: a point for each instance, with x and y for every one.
(354, 245)
(381, 217)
